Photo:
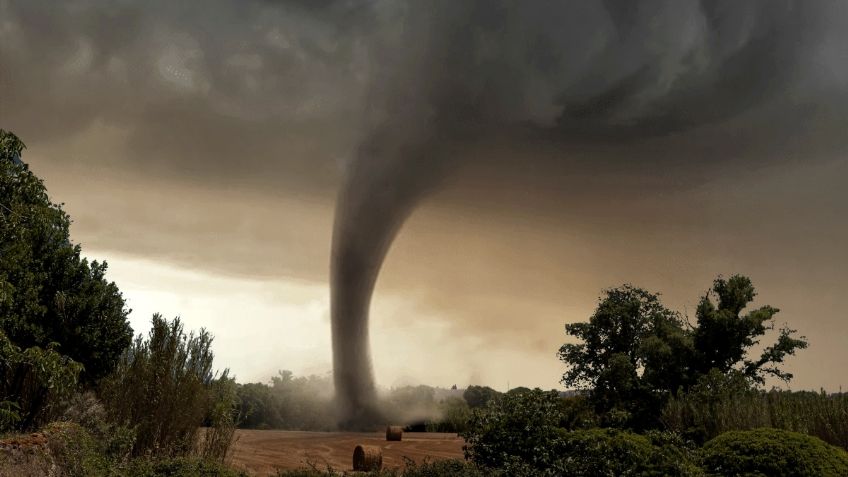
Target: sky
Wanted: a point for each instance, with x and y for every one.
(532, 156)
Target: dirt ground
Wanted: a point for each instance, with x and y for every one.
(261, 453)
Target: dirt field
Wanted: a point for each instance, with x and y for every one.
(263, 452)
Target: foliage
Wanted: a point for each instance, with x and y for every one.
(720, 403)
(161, 388)
(48, 292)
(33, 384)
(75, 451)
(633, 353)
(724, 336)
(516, 427)
(479, 396)
(114, 442)
(260, 408)
(523, 434)
(613, 453)
(578, 413)
(630, 331)
(222, 419)
(772, 452)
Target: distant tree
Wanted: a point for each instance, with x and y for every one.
(518, 390)
(49, 293)
(259, 407)
(479, 396)
(634, 353)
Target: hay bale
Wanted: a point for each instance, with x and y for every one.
(367, 458)
(394, 433)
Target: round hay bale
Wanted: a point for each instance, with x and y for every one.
(394, 433)
(367, 458)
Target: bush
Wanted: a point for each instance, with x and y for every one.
(772, 452)
(609, 452)
(162, 388)
(221, 420)
(75, 451)
(517, 427)
(34, 384)
(114, 442)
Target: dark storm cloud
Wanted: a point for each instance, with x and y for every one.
(212, 90)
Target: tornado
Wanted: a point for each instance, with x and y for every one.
(618, 72)
(382, 189)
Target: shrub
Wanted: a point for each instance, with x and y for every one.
(161, 388)
(34, 384)
(222, 419)
(517, 427)
(114, 442)
(772, 452)
(75, 451)
(610, 452)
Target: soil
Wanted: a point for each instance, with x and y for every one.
(262, 453)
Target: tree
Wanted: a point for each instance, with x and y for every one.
(724, 336)
(634, 353)
(49, 293)
(633, 350)
(479, 396)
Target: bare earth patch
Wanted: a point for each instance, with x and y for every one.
(264, 452)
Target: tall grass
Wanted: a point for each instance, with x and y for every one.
(818, 414)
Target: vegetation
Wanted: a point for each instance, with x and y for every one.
(479, 396)
(774, 453)
(49, 295)
(33, 384)
(724, 402)
(163, 388)
(633, 354)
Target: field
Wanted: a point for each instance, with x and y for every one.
(263, 452)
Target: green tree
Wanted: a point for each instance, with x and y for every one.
(634, 353)
(631, 353)
(49, 293)
(724, 335)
